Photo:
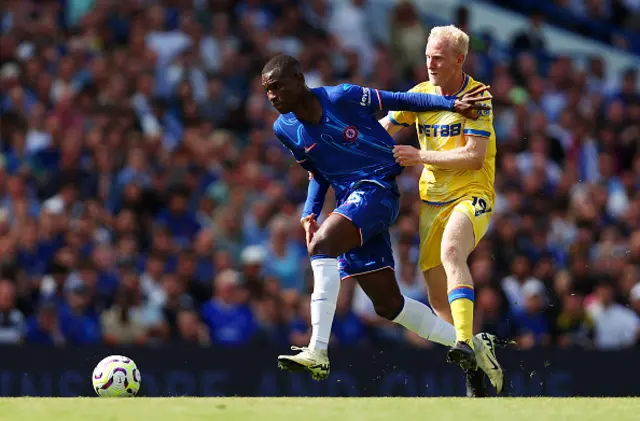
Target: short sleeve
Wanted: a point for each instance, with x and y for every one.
(483, 126)
(402, 118)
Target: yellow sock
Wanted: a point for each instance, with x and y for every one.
(461, 300)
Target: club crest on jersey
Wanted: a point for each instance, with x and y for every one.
(350, 133)
(354, 198)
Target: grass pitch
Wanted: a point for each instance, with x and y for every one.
(319, 409)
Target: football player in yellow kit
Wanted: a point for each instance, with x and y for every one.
(457, 192)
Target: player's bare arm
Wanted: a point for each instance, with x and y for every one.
(389, 126)
(468, 157)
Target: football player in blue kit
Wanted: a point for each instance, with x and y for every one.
(333, 133)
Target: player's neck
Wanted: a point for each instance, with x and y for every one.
(453, 86)
(309, 109)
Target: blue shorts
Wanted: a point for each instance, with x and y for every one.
(372, 209)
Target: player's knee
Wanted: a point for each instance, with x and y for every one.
(451, 254)
(388, 307)
(322, 244)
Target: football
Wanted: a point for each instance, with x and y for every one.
(116, 376)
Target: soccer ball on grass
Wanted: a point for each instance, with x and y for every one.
(116, 376)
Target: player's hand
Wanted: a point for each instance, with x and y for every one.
(407, 156)
(310, 226)
(468, 104)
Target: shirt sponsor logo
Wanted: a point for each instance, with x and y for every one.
(440, 130)
(366, 97)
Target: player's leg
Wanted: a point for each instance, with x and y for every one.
(432, 222)
(335, 236)
(457, 243)
(372, 267)
(436, 280)
(374, 209)
(382, 288)
(465, 226)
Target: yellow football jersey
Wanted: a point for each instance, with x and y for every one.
(445, 130)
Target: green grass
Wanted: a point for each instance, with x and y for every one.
(319, 409)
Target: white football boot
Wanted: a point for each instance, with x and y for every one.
(484, 345)
(315, 362)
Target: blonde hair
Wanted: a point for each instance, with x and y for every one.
(458, 39)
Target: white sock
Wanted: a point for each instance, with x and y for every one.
(326, 286)
(419, 319)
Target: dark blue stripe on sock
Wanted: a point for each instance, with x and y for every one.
(462, 292)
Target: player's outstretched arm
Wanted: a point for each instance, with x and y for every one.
(467, 105)
(376, 100)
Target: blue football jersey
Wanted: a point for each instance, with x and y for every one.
(348, 145)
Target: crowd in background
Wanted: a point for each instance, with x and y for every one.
(144, 198)
(616, 22)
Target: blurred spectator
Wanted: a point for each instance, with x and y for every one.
(219, 44)
(167, 44)
(43, 328)
(348, 329)
(175, 300)
(490, 315)
(607, 21)
(12, 328)
(349, 25)
(270, 319)
(532, 39)
(573, 327)
(408, 37)
(78, 323)
(300, 324)
(283, 256)
(615, 325)
(182, 224)
(231, 322)
(253, 260)
(191, 330)
(130, 321)
(52, 286)
(513, 285)
(530, 321)
(151, 279)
